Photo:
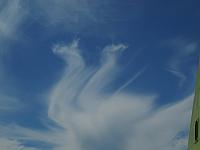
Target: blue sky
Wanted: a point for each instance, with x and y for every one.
(93, 75)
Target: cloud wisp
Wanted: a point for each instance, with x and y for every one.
(81, 15)
(89, 118)
(182, 50)
(13, 145)
(12, 15)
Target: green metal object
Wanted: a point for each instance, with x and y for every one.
(194, 135)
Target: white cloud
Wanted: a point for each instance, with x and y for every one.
(9, 104)
(11, 16)
(8, 144)
(79, 15)
(183, 50)
(71, 10)
(91, 119)
(67, 14)
(159, 131)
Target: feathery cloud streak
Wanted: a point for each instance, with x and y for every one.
(182, 51)
(12, 15)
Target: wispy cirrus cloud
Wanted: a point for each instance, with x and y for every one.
(78, 15)
(71, 11)
(70, 15)
(89, 118)
(9, 104)
(182, 50)
(13, 145)
(12, 14)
